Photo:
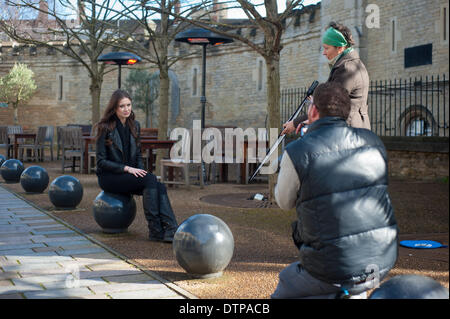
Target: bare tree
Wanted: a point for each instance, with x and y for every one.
(157, 29)
(73, 28)
(272, 25)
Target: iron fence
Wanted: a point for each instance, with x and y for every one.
(289, 102)
(400, 107)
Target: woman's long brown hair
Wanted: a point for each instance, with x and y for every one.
(108, 121)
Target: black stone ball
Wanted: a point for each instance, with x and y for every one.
(11, 170)
(203, 246)
(34, 179)
(114, 212)
(2, 159)
(65, 192)
(410, 287)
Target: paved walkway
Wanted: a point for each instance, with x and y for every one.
(41, 257)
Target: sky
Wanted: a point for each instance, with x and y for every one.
(232, 13)
(239, 14)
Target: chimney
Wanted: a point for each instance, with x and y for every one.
(43, 12)
(218, 12)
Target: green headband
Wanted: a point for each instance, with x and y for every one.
(334, 37)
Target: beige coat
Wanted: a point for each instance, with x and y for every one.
(350, 72)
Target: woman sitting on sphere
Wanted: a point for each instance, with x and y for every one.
(120, 166)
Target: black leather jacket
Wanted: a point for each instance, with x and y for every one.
(346, 227)
(110, 158)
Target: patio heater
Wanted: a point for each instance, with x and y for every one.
(119, 58)
(203, 37)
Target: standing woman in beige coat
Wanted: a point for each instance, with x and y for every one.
(348, 70)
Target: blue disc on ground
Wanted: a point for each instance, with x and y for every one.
(421, 244)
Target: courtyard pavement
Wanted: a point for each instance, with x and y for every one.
(41, 257)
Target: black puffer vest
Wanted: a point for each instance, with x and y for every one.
(346, 221)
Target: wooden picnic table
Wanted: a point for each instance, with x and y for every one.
(147, 145)
(19, 136)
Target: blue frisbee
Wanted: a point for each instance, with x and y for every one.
(421, 244)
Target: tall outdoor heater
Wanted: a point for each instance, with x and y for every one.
(119, 58)
(203, 37)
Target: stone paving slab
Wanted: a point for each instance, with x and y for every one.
(41, 257)
(158, 293)
(59, 293)
(12, 296)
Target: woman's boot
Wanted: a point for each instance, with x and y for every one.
(151, 212)
(168, 221)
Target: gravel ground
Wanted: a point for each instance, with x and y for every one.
(263, 245)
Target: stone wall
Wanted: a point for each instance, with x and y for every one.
(418, 165)
(236, 86)
(53, 104)
(418, 157)
(236, 75)
(416, 22)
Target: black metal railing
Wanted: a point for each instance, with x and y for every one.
(410, 107)
(290, 101)
(401, 107)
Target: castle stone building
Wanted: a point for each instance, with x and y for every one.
(395, 39)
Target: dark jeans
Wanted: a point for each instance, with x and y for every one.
(126, 183)
(161, 220)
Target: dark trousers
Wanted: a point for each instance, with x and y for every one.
(126, 183)
(157, 209)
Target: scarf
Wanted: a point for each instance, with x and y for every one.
(334, 37)
(333, 61)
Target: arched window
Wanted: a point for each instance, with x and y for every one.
(418, 127)
(417, 120)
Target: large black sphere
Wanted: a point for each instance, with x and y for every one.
(65, 192)
(114, 212)
(11, 170)
(203, 245)
(410, 287)
(2, 159)
(34, 179)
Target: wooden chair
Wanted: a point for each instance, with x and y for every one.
(92, 161)
(85, 128)
(184, 164)
(36, 148)
(72, 147)
(218, 169)
(253, 159)
(14, 129)
(149, 133)
(48, 141)
(92, 155)
(5, 142)
(59, 141)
